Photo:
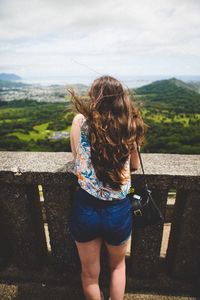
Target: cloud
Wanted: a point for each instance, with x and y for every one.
(39, 37)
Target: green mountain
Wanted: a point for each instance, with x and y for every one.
(9, 77)
(172, 94)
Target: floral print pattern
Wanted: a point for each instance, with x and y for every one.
(85, 172)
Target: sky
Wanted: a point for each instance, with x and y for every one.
(90, 37)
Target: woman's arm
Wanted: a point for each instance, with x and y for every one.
(134, 159)
(75, 134)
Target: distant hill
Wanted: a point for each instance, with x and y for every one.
(12, 84)
(9, 77)
(172, 94)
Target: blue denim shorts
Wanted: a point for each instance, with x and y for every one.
(92, 217)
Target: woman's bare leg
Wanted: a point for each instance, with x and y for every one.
(89, 253)
(117, 265)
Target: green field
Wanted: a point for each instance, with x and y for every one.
(39, 132)
(30, 129)
(165, 117)
(29, 125)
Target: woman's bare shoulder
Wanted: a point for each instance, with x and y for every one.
(78, 119)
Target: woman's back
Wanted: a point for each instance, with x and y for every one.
(84, 169)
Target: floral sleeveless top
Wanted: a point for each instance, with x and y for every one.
(85, 172)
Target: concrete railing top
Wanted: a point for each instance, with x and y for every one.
(40, 165)
(53, 162)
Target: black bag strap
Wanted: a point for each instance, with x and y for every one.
(145, 181)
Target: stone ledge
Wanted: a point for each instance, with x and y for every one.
(168, 170)
(55, 162)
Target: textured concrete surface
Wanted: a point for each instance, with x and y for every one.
(20, 215)
(183, 259)
(154, 163)
(37, 167)
(157, 297)
(48, 292)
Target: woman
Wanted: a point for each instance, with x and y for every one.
(103, 141)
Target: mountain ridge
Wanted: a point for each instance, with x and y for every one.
(171, 94)
(9, 76)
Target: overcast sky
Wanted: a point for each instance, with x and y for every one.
(126, 37)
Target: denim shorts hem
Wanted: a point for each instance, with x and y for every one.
(83, 240)
(95, 237)
(121, 243)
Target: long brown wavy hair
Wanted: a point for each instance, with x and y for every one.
(114, 124)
